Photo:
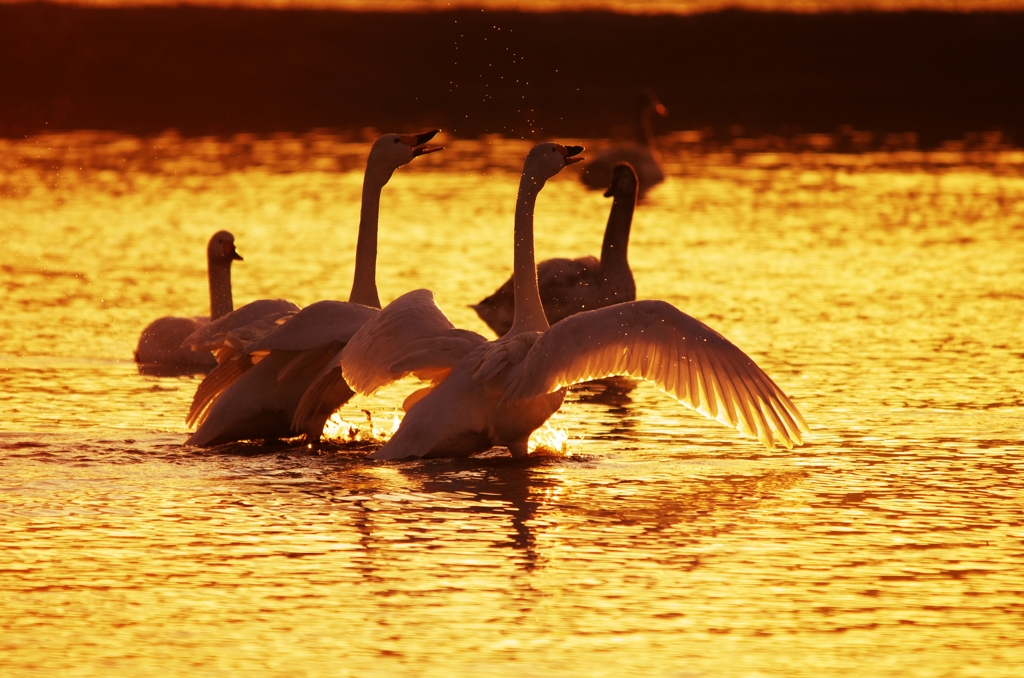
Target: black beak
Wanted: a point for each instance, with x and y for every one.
(421, 139)
(236, 256)
(426, 136)
(416, 141)
(571, 152)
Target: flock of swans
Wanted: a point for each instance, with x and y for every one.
(278, 372)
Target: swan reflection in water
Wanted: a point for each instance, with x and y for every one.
(525, 512)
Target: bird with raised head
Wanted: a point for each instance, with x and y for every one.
(497, 393)
(570, 286)
(256, 390)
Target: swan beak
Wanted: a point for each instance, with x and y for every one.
(610, 192)
(660, 109)
(230, 252)
(571, 153)
(416, 142)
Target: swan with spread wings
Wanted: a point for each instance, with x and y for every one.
(269, 351)
(497, 393)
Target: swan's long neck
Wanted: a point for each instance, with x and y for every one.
(529, 310)
(614, 250)
(364, 284)
(644, 131)
(219, 273)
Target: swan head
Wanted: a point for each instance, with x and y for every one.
(222, 248)
(391, 151)
(647, 100)
(624, 182)
(548, 159)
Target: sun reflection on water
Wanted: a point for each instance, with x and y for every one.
(338, 430)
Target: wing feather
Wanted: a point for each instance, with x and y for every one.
(327, 382)
(431, 356)
(309, 361)
(242, 325)
(366, 360)
(215, 383)
(749, 418)
(683, 356)
(317, 325)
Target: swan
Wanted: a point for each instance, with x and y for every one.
(159, 350)
(496, 393)
(643, 154)
(255, 390)
(569, 286)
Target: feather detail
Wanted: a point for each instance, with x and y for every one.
(377, 354)
(219, 378)
(653, 340)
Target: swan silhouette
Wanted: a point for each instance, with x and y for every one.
(496, 393)
(642, 154)
(569, 286)
(256, 389)
(160, 345)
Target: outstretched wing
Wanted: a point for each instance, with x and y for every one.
(315, 326)
(242, 326)
(229, 337)
(411, 328)
(683, 356)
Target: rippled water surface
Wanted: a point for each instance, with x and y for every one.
(884, 293)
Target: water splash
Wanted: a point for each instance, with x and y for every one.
(339, 430)
(549, 440)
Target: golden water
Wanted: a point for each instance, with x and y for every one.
(884, 293)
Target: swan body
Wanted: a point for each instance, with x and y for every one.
(274, 372)
(496, 393)
(160, 346)
(269, 361)
(569, 286)
(642, 154)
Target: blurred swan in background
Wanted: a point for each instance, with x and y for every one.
(268, 359)
(159, 350)
(569, 286)
(642, 154)
(496, 393)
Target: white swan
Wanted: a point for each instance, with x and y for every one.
(159, 350)
(497, 393)
(569, 286)
(643, 154)
(256, 389)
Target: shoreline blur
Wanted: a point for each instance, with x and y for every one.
(222, 71)
(677, 7)
(684, 152)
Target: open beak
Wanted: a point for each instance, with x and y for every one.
(417, 142)
(572, 154)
